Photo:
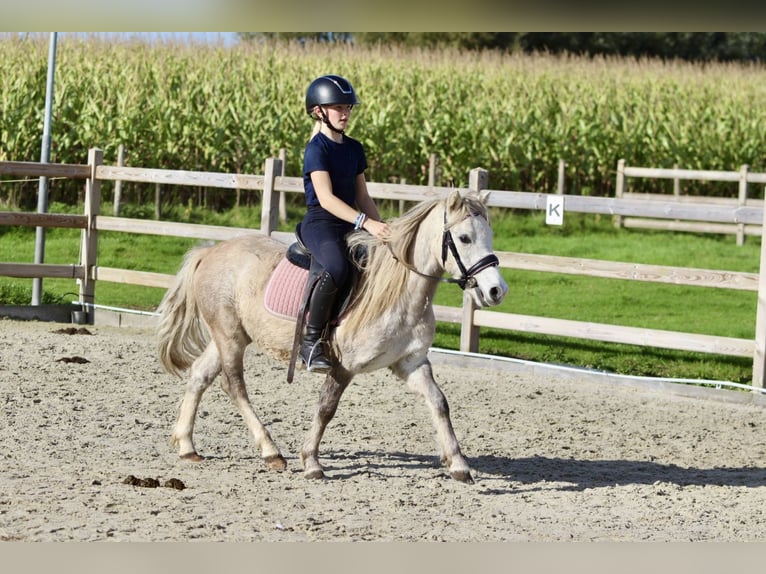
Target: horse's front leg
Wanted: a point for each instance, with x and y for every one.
(329, 397)
(420, 379)
(233, 383)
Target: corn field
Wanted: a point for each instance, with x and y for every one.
(222, 108)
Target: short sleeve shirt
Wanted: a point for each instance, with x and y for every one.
(343, 161)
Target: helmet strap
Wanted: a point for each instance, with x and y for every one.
(326, 121)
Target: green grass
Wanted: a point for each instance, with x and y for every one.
(721, 312)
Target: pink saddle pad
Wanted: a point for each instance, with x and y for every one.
(284, 292)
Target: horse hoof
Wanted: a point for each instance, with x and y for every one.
(463, 476)
(314, 474)
(192, 456)
(275, 462)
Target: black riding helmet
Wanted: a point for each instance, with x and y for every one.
(329, 90)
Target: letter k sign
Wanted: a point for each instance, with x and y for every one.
(554, 210)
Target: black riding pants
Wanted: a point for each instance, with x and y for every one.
(324, 235)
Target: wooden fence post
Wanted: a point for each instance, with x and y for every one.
(478, 179)
(402, 203)
(282, 204)
(118, 183)
(742, 200)
(619, 189)
(270, 200)
(157, 201)
(89, 235)
(759, 355)
(562, 172)
(432, 167)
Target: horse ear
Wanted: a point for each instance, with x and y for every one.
(453, 199)
(484, 196)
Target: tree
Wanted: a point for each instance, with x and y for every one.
(460, 40)
(691, 46)
(298, 36)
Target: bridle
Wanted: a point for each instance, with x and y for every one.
(468, 276)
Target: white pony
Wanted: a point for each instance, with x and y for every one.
(215, 308)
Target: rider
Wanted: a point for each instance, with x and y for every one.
(337, 203)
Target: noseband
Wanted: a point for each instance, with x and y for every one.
(468, 276)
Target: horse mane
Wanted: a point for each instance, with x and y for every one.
(386, 266)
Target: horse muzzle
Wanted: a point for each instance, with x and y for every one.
(486, 291)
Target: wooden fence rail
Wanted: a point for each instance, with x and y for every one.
(743, 178)
(272, 184)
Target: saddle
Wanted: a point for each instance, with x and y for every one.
(299, 270)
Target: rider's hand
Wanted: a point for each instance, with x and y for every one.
(379, 229)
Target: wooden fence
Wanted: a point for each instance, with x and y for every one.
(742, 178)
(86, 272)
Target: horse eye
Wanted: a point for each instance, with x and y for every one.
(464, 239)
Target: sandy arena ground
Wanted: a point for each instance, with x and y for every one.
(554, 458)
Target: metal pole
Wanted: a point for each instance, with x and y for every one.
(45, 155)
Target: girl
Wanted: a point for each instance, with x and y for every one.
(337, 203)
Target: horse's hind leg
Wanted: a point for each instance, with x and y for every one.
(421, 380)
(329, 396)
(234, 384)
(203, 371)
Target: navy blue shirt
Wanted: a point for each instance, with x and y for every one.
(343, 161)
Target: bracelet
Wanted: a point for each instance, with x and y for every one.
(360, 219)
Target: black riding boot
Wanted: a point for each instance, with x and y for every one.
(313, 348)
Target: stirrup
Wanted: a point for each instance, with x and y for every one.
(316, 362)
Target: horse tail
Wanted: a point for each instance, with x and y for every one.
(181, 332)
